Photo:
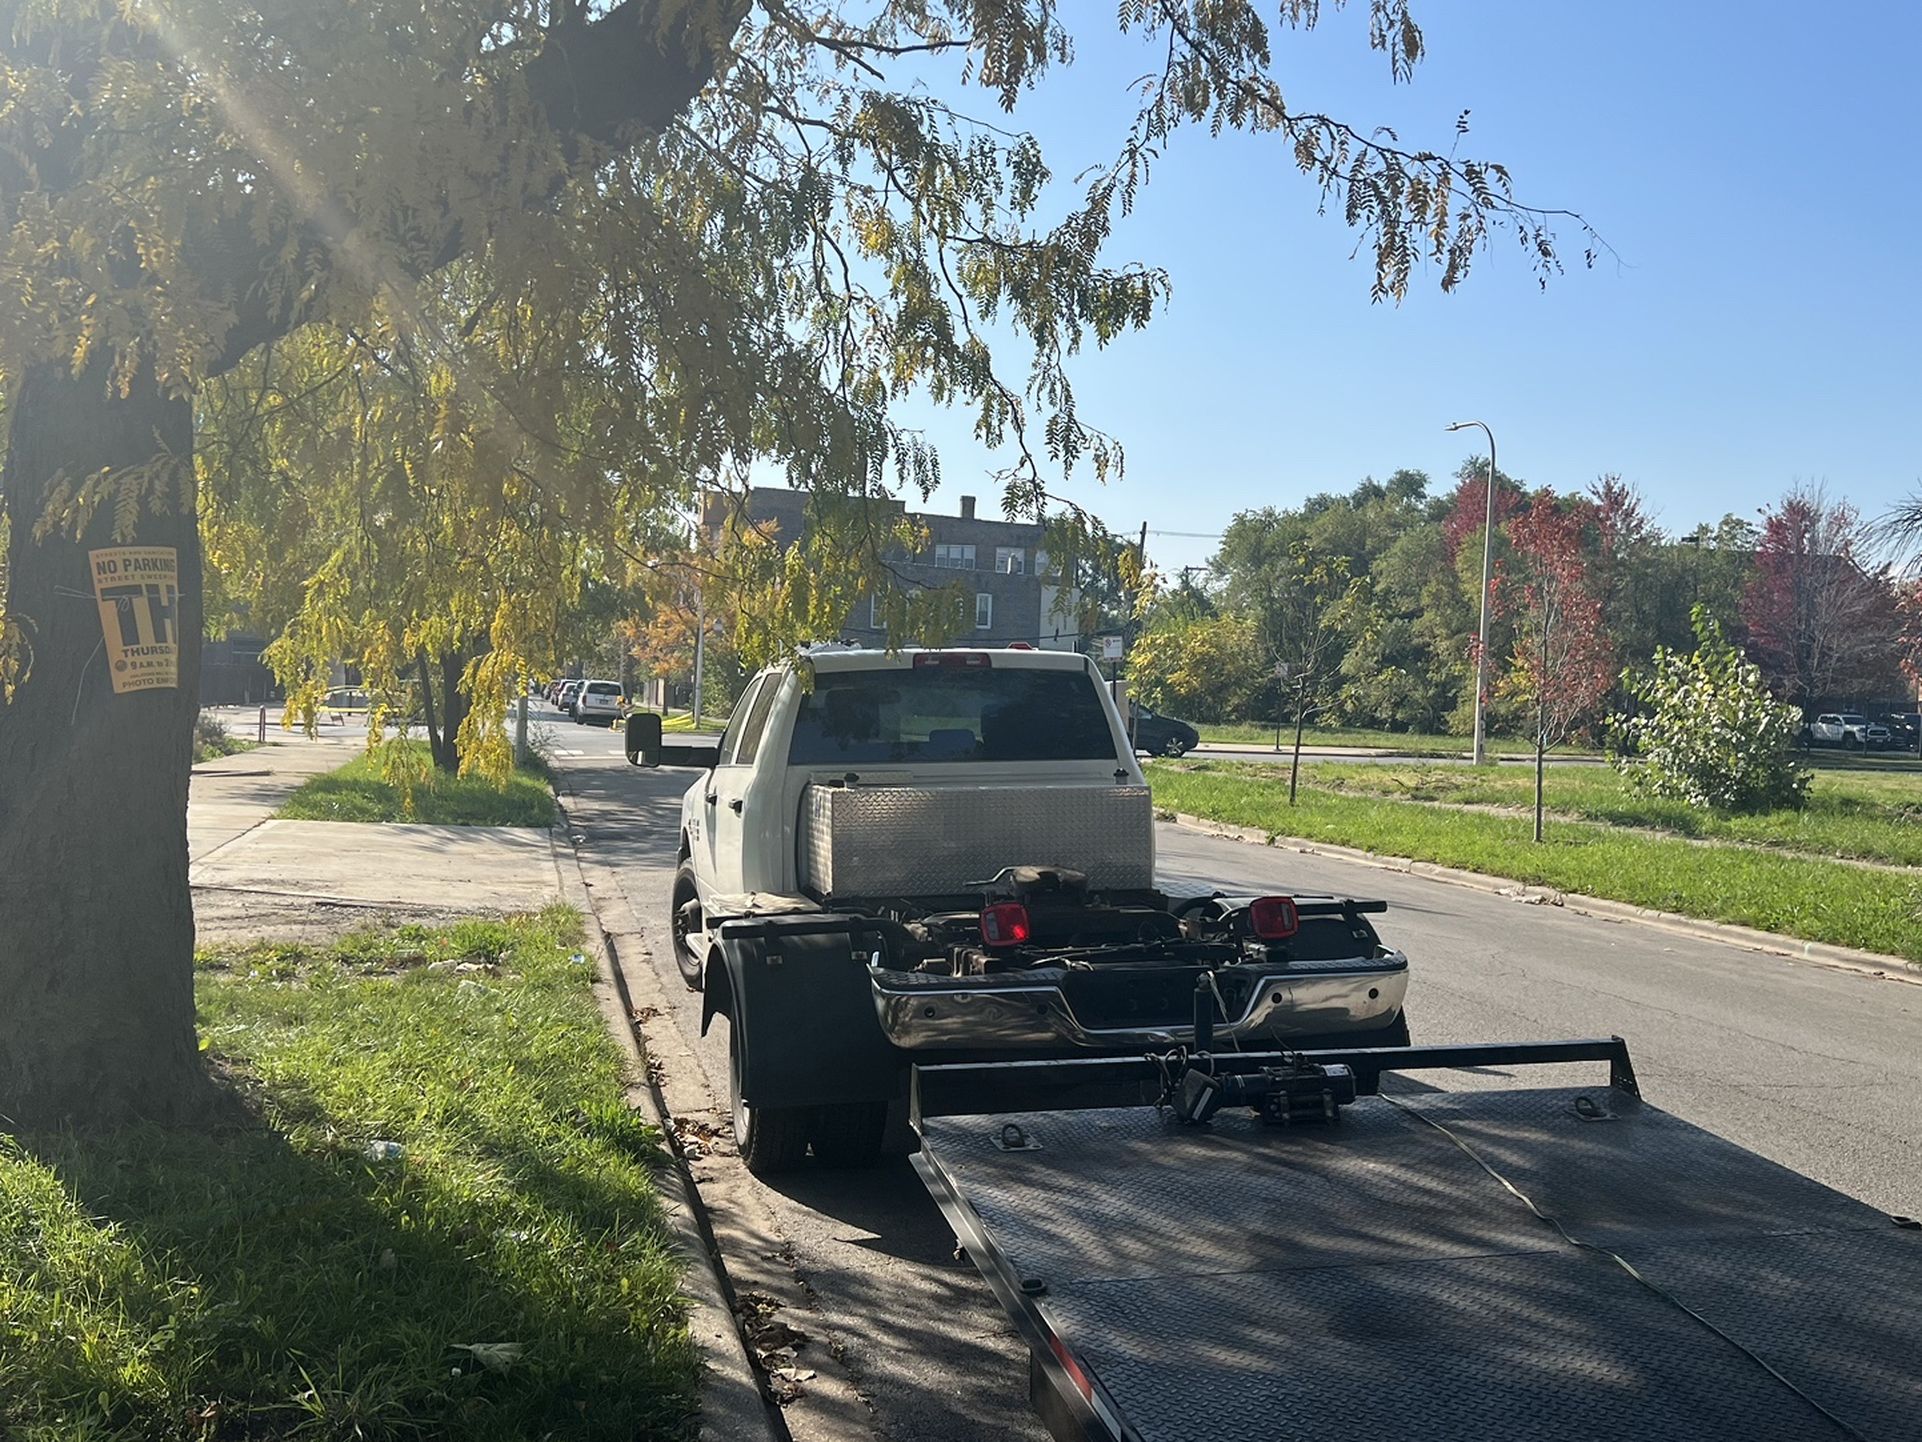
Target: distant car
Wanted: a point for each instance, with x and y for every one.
(1847, 729)
(1157, 735)
(1905, 729)
(597, 701)
(564, 698)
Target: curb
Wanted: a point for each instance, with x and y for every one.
(734, 1406)
(1818, 953)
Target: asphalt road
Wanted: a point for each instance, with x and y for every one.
(1816, 1068)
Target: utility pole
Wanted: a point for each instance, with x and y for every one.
(1488, 562)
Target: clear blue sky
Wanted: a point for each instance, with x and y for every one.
(1751, 163)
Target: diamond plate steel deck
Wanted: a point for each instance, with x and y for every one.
(1370, 1280)
(924, 841)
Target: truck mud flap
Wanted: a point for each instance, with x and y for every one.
(799, 989)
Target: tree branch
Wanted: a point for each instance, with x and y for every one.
(596, 84)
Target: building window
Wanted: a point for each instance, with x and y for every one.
(1011, 560)
(983, 610)
(954, 558)
(875, 622)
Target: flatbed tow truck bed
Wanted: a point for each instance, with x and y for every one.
(1553, 1263)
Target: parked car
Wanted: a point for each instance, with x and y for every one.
(597, 701)
(1157, 735)
(1847, 729)
(564, 698)
(1905, 729)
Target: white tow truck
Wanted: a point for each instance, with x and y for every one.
(949, 854)
(1180, 1133)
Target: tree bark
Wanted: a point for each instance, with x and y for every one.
(453, 710)
(96, 918)
(96, 914)
(428, 712)
(1301, 717)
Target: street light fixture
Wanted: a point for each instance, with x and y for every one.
(1488, 562)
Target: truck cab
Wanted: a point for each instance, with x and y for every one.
(949, 854)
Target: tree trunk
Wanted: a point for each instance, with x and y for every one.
(96, 918)
(427, 708)
(1301, 715)
(453, 709)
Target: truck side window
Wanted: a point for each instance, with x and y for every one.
(756, 722)
(731, 737)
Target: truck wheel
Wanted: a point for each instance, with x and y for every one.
(684, 919)
(849, 1135)
(769, 1139)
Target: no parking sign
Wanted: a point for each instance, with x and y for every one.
(138, 591)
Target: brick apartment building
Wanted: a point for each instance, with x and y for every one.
(1017, 595)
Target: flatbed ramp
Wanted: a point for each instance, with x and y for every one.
(1375, 1279)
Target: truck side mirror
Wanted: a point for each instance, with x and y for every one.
(643, 738)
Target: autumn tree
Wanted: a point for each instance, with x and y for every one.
(790, 227)
(1562, 667)
(1820, 622)
(1202, 668)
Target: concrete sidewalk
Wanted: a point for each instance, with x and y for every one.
(254, 876)
(231, 795)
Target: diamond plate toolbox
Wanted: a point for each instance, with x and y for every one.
(923, 841)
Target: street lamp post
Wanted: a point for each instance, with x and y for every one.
(1488, 561)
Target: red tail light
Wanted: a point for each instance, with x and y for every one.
(1274, 918)
(1005, 923)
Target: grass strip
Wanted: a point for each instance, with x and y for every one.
(400, 783)
(1797, 896)
(1849, 813)
(1411, 743)
(441, 1222)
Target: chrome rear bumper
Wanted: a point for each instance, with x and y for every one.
(920, 1013)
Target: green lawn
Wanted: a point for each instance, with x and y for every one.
(401, 784)
(1417, 743)
(438, 1221)
(1795, 895)
(1850, 813)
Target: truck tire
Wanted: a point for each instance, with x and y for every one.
(849, 1135)
(684, 894)
(770, 1140)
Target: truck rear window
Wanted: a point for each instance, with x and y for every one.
(933, 714)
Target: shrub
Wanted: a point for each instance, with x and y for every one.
(1711, 734)
(212, 738)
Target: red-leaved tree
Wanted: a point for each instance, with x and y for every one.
(1470, 509)
(1820, 623)
(1563, 665)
